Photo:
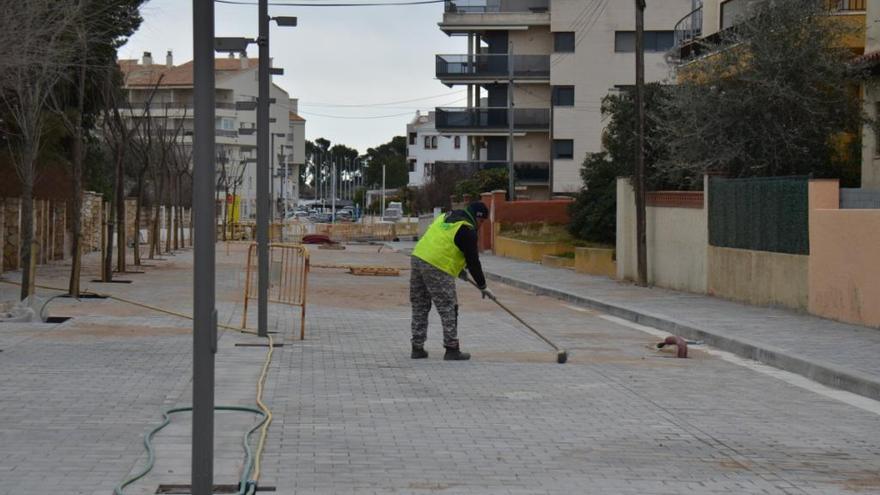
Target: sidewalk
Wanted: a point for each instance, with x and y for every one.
(835, 354)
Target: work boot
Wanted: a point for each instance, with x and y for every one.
(419, 352)
(455, 354)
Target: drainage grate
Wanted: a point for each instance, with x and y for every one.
(187, 489)
(258, 345)
(57, 319)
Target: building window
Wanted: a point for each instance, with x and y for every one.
(412, 165)
(655, 41)
(457, 142)
(433, 142)
(429, 170)
(563, 149)
(564, 42)
(563, 96)
(413, 137)
(427, 142)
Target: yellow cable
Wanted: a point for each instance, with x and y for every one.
(264, 431)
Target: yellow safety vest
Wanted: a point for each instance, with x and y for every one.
(437, 247)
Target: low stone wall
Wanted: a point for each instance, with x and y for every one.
(528, 250)
(92, 216)
(595, 261)
(759, 277)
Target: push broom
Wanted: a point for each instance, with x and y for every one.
(561, 354)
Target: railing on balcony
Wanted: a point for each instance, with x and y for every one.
(493, 65)
(496, 6)
(493, 118)
(689, 28)
(159, 106)
(525, 171)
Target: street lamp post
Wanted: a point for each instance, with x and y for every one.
(204, 312)
(263, 155)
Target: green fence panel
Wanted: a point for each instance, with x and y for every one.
(760, 214)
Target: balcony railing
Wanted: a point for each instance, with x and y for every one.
(496, 6)
(159, 107)
(493, 118)
(492, 66)
(689, 28)
(525, 171)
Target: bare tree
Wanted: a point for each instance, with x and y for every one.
(25, 94)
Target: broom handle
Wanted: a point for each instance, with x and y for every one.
(515, 316)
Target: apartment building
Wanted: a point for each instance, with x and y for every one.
(427, 149)
(171, 87)
(536, 72)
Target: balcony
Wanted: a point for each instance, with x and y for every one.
(462, 16)
(493, 120)
(496, 6)
(526, 172)
(687, 31)
(490, 68)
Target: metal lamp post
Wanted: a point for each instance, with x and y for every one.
(204, 311)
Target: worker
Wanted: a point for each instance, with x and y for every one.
(449, 245)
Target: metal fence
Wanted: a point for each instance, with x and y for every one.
(288, 279)
(762, 214)
(860, 199)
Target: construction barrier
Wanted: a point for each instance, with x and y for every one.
(351, 232)
(288, 277)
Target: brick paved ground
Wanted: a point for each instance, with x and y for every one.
(355, 415)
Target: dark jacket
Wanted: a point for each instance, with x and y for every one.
(466, 240)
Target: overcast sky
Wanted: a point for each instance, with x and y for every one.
(336, 56)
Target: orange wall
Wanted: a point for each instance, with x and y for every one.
(844, 266)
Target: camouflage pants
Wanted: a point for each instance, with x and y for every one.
(427, 284)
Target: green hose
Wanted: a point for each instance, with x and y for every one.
(245, 486)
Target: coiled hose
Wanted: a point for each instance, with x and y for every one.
(251, 473)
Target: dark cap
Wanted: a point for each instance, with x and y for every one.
(478, 210)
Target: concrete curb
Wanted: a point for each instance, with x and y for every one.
(822, 372)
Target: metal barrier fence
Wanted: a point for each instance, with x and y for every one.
(288, 278)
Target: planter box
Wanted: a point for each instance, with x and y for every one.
(528, 250)
(557, 261)
(595, 261)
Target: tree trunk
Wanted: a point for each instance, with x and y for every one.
(169, 223)
(27, 228)
(76, 220)
(138, 206)
(107, 262)
(119, 196)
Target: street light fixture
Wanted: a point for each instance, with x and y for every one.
(285, 21)
(232, 45)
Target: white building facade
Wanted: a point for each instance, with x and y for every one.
(428, 149)
(171, 87)
(536, 72)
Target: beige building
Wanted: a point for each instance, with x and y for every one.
(537, 70)
(871, 134)
(236, 116)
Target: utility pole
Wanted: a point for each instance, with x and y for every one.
(263, 154)
(511, 173)
(641, 228)
(204, 312)
(382, 213)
